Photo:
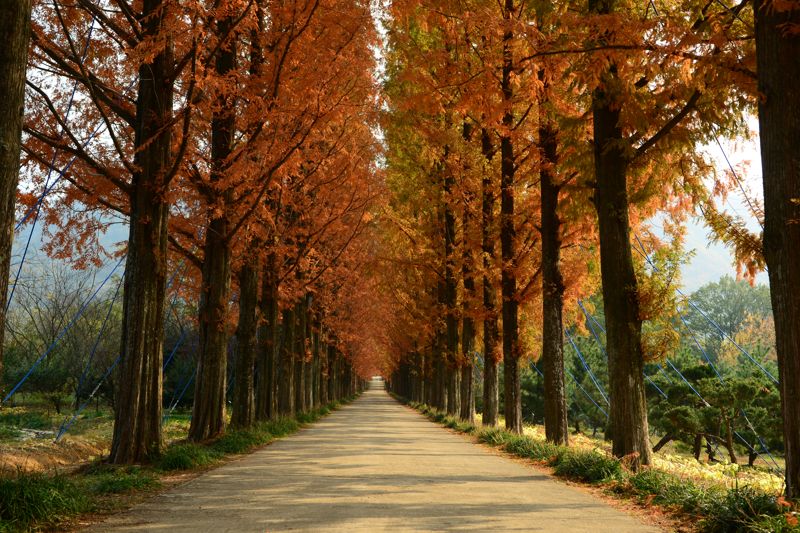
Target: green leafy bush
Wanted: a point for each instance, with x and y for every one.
(537, 450)
(493, 436)
(240, 441)
(186, 457)
(589, 466)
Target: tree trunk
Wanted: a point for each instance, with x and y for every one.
(467, 411)
(467, 393)
(729, 442)
(421, 378)
(333, 368)
(508, 244)
(137, 419)
(751, 458)
(427, 398)
(208, 413)
(777, 50)
(441, 383)
(316, 351)
(309, 362)
(712, 455)
(697, 446)
(450, 296)
(555, 397)
(491, 352)
(628, 412)
(666, 439)
(15, 29)
(300, 359)
(243, 414)
(325, 370)
(286, 406)
(266, 393)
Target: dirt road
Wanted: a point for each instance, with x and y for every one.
(374, 466)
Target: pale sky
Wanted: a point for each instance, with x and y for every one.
(712, 261)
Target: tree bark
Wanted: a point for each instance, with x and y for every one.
(628, 412)
(777, 50)
(316, 351)
(666, 439)
(15, 30)
(286, 405)
(467, 411)
(266, 389)
(333, 368)
(450, 295)
(729, 442)
(508, 244)
(208, 412)
(325, 369)
(555, 397)
(308, 357)
(441, 383)
(300, 359)
(491, 352)
(137, 419)
(243, 409)
(697, 446)
(420, 378)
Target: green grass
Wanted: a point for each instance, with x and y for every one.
(522, 446)
(30, 498)
(713, 509)
(26, 419)
(186, 456)
(9, 433)
(588, 466)
(121, 480)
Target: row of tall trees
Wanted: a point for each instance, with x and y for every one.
(235, 138)
(560, 130)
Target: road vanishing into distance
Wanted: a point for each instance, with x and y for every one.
(375, 465)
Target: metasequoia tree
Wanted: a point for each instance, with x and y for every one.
(777, 48)
(15, 19)
(494, 116)
(287, 127)
(118, 156)
(639, 118)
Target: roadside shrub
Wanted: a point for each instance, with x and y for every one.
(466, 427)
(670, 490)
(308, 418)
(240, 441)
(740, 509)
(588, 466)
(719, 510)
(537, 450)
(281, 427)
(493, 436)
(186, 457)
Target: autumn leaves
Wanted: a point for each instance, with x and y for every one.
(590, 116)
(235, 137)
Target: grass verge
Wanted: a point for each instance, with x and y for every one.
(35, 501)
(711, 509)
